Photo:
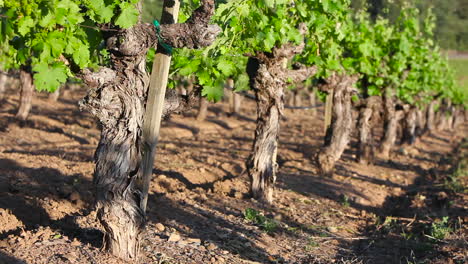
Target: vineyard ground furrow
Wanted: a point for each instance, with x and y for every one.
(44, 196)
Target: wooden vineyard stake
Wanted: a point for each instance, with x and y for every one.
(155, 103)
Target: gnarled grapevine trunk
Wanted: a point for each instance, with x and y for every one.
(235, 99)
(268, 77)
(312, 101)
(420, 122)
(290, 97)
(297, 97)
(262, 162)
(117, 99)
(27, 91)
(450, 117)
(53, 97)
(236, 103)
(442, 116)
(202, 109)
(459, 117)
(338, 134)
(391, 119)
(3, 81)
(430, 117)
(366, 142)
(409, 127)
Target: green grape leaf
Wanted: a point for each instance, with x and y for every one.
(68, 13)
(191, 67)
(48, 21)
(79, 51)
(366, 48)
(326, 5)
(49, 77)
(45, 51)
(106, 14)
(57, 43)
(404, 44)
(24, 25)
(334, 64)
(242, 83)
(128, 16)
(373, 90)
(204, 77)
(103, 12)
(81, 56)
(269, 40)
(213, 93)
(270, 3)
(226, 67)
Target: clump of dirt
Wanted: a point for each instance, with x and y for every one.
(45, 246)
(8, 221)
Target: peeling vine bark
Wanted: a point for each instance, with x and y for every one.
(459, 117)
(338, 134)
(366, 143)
(268, 77)
(409, 126)
(3, 81)
(391, 119)
(312, 101)
(27, 91)
(236, 103)
(53, 97)
(202, 109)
(235, 99)
(420, 122)
(290, 95)
(297, 99)
(451, 117)
(117, 97)
(442, 116)
(430, 117)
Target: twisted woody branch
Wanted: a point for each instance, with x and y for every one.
(338, 134)
(268, 76)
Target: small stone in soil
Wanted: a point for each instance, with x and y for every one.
(278, 217)
(170, 146)
(174, 237)
(238, 195)
(182, 243)
(75, 242)
(194, 240)
(211, 246)
(160, 227)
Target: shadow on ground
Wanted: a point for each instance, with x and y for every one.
(25, 191)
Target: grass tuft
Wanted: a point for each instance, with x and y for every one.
(265, 223)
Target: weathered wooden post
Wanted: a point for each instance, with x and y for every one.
(155, 102)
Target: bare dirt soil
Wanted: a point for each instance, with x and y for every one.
(383, 213)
